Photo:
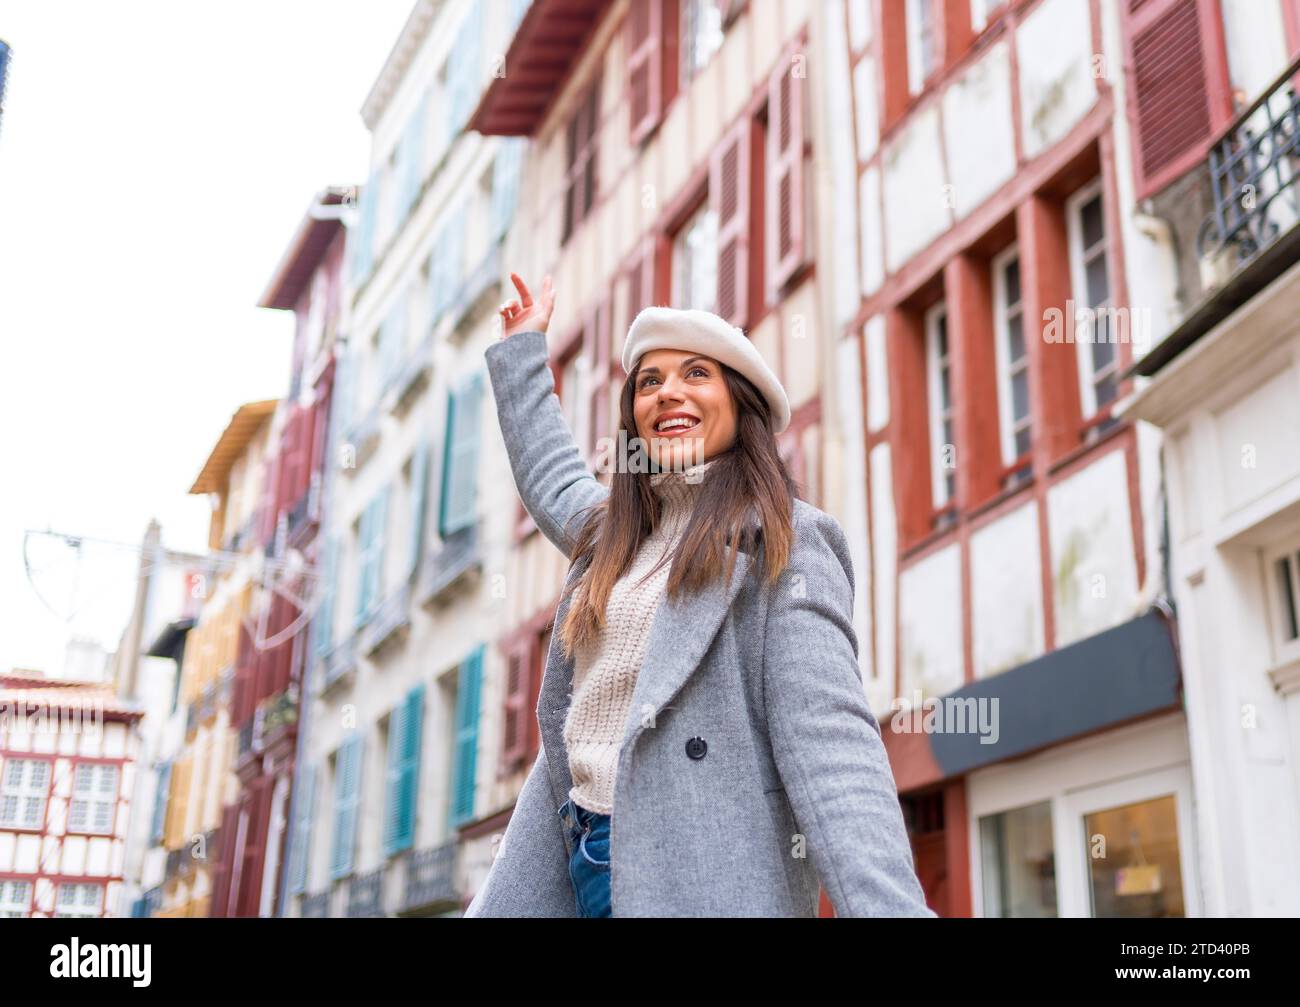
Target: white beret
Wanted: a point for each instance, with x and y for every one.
(659, 328)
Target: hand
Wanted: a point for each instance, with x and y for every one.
(526, 314)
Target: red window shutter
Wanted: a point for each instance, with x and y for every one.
(515, 735)
(644, 39)
(640, 281)
(729, 198)
(1180, 98)
(600, 371)
(784, 203)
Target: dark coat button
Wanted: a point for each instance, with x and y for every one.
(696, 748)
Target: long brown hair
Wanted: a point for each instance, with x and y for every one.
(749, 476)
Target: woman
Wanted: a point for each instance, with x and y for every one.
(707, 749)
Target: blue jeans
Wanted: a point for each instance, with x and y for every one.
(589, 864)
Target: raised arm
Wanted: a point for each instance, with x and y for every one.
(552, 478)
(825, 740)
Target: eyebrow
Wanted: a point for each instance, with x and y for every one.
(688, 360)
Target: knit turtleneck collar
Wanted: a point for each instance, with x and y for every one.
(678, 489)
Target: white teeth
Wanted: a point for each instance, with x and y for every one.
(676, 421)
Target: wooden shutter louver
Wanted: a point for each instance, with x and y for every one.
(785, 223)
(1180, 97)
(645, 68)
(729, 197)
(516, 708)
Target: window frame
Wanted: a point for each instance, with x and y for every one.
(918, 74)
(24, 793)
(1079, 258)
(688, 69)
(1002, 316)
(942, 496)
(677, 258)
(1284, 650)
(582, 150)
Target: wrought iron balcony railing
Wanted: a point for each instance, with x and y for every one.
(366, 894)
(1253, 170)
(429, 876)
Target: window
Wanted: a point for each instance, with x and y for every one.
(1013, 366)
(459, 507)
(22, 794)
(79, 901)
(695, 261)
(15, 899)
(701, 37)
(920, 43)
(1095, 335)
(1018, 863)
(370, 550)
(574, 393)
(938, 361)
(94, 797)
(580, 159)
(1283, 569)
(1140, 877)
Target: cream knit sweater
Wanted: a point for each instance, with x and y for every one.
(605, 671)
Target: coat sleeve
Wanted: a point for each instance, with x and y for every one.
(552, 478)
(529, 875)
(825, 740)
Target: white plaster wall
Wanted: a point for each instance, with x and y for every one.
(853, 514)
(1094, 572)
(884, 548)
(1007, 593)
(930, 607)
(1255, 38)
(870, 231)
(978, 134)
(1054, 57)
(877, 374)
(916, 210)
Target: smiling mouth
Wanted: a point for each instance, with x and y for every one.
(676, 426)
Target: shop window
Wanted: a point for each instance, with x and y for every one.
(1134, 863)
(1018, 863)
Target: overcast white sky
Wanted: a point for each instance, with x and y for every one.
(155, 158)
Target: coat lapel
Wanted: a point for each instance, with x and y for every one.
(680, 635)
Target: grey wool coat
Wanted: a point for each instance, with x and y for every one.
(793, 787)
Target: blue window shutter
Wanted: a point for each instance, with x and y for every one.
(391, 339)
(160, 802)
(365, 233)
(341, 403)
(413, 154)
(460, 469)
(300, 848)
(379, 543)
(419, 501)
(393, 780)
(466, 741)
(347, 795)
(322, 620)
(364, 557)
(408, 777)
(463, 75)
(505, 183)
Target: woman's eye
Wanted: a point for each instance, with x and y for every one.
(701, 370)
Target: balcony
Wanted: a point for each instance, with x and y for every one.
(389, 621)
(452, 564)
(366, 895)
(316, 907)
(429, 878)
(340, 664)
(410, 378)
(484, 281)
(1235, 216)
